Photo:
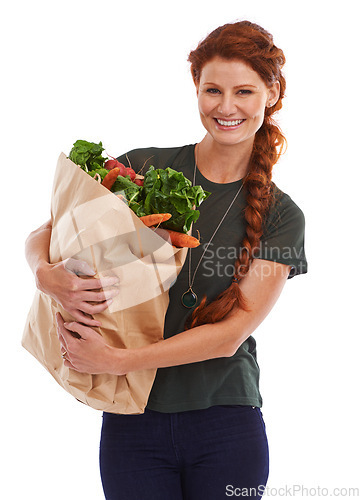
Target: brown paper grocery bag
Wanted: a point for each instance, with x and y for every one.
(92, 224)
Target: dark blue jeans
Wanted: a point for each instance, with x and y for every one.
(208, 454)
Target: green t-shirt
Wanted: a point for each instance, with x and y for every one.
(229, 380)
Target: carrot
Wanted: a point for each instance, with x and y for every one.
(154, 219)
(178, 239)
(110, 178)
(182, 240)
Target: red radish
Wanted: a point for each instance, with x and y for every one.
(139, 182)
(110, 164)
(123, 169)
(130, 172)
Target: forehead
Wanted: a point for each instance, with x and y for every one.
(232, 71)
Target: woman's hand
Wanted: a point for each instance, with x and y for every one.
(89, 353)
(78, 296)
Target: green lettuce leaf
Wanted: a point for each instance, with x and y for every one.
(101, 171)
(131, 191)
(169, 191)
(88, 155)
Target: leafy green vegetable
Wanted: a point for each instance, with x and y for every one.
(169, 191)
(88, 155)
(132, 192)
(101, 171)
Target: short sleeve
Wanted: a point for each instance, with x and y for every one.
(284, 235)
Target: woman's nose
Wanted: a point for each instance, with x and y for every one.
(227, 106)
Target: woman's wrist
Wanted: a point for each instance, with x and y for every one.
(123, 361)
(118, 361)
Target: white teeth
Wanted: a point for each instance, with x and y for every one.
(230, 123)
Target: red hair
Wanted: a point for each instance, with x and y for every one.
(250, 43)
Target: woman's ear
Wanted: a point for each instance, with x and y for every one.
(274, 93)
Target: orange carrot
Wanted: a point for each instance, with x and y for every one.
(154, 219)
(110, 178)
(181, 239)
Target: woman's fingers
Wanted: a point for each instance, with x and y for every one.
(81, 330)
(85, 314)
(96, 283)
(85, 318)
(66, 330)
(99, 296)
(82, 268)
(79, 267)
(95, 308)
(81, 295)
(86, 350)
(76, 327)
(66, 340)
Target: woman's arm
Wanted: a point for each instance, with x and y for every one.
(37, 249)
(261, 286)
(61, 280)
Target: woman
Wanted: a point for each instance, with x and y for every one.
(202, 435)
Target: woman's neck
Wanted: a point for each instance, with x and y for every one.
(222, 163)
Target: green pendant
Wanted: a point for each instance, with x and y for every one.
(189, 298)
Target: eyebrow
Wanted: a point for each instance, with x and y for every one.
(245, 85)
(236, 87)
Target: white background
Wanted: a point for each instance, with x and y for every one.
(118, 73)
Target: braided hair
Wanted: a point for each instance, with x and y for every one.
(250, 43)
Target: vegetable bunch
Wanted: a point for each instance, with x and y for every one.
(88, 155)
(166, 192)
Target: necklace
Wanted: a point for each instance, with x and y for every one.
(189, 298)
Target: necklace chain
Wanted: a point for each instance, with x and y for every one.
(191, 280)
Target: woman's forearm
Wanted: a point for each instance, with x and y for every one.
(37, 247)
(261, 287)
(197, 344)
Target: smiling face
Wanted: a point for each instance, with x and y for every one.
(232, 99)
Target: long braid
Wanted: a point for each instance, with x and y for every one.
(250, 43)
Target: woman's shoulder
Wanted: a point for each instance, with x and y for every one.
(157, 156)
(284, 233)
(284, 208)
